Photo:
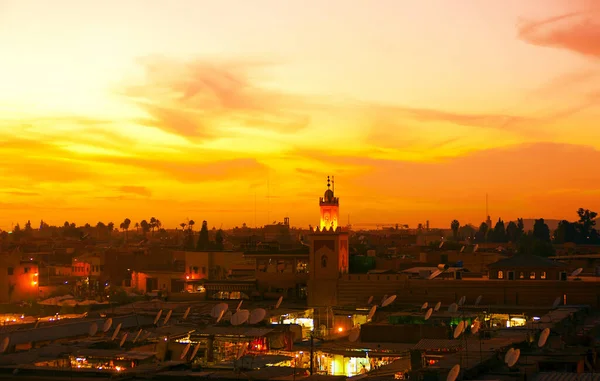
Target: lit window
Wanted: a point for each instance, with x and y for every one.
(543, 275)
(521, 275)
(532, 275)
(500, 274)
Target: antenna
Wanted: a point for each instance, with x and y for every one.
(478, 300)
(4, 344)
(487, 213)
(218, 308)
(167, 317)
(512, 356)
(240, 317)
(195, 352)
(459, 329)
(220, 316)
(187, 312)
(239, 305)
(93, 329)
(577, 272)
(279, 302)
(137, 336)
(157, 317)
(333, 184)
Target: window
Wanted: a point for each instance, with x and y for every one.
(190, 270)
(521, 275)
(11, 271)
(324, 261)
(543, 275)
(195, 270)
(26, 270)
(500, 274)
(532, 275)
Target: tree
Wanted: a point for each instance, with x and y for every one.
(219, 240)
(203, 242)
(565, 232)
(110, 227)
(532, 245)
(125, 226)
(585, 225)
(468, 232)
(455, 225)
(482, 233)
(512, 232)
(145, 227)
(499, 232)
(541, 230)
(137, 227)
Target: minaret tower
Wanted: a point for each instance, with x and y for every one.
(330, 206)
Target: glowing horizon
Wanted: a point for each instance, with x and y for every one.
(117, 110)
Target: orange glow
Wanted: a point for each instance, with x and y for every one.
(417, 116)
(340, 329)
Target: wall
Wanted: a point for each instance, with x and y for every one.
(328, 260)
(23, 284)
(212, 265)
(138, 280)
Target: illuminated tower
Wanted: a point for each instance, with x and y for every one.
(329, 208)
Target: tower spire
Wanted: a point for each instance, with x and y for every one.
(328, 183)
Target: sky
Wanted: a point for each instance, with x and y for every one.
(237, 111)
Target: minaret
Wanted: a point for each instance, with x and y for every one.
(329, 205)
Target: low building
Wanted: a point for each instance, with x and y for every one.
(527, 267)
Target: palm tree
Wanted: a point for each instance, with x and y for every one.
(145, 227)
(137, 227)
(152, 224)
(183, 224)
(455, 225)
(191, 225)
(110, 226)
(100, 228)
(125, 226)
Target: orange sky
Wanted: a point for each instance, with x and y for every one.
(236, 111)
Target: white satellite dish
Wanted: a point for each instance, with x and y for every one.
(167, 317)
(370, 300)
(195, 352)
(185, 351)
(441, 244)
(425, 305)
(279, 302)
(388, 301)
(513, 357)
(543, 337)
(384, 298)
(123, 339)
(508, 355)
(137, 336)
(116, 332)
(462, 300)
(462, 249)
(577, 272)
(157, 316)
(257, 315)
(107, 324)
(187, 312)
(354, 335)
(453, 373)
(240, 317)
(428, 313)
(218, 308)
(556, 302)
(239, 305)
(478, 300)
(93, 329)
(4, 344)
(435, 274)
(453, 308)
(371, 313)
(459, 329)
(220, 316)
(476, 247)
(476, 327)
(437, 307)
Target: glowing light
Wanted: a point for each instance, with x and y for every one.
(340, 329)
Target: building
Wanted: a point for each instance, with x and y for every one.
(527, 267)
(19, 280)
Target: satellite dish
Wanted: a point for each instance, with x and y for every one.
(435, 274)
(220, 316)
(428, 313)
(167, 317)
(478, 300)
(36, 323)
(476, 326)
(453, 308)
(424, 306)
(116, 332)
(93, 329)
(257, 315)
(437, 306)
(195, 352)
(123, 339)
(388, 301)
(459, 329)
(543, 337)
(278, 302)
(384, 298)
(185, 351)
(476, 247)
(239, 305)
(4, 344)
(371, 313)
(216, 310)
(513, 357)
(107, 325)
(462, 300)
(370, 300)
(577, 272)
(508, 355)
(157, 316)
(187, 312)
(241, 352)
(354, 335)
(556, 302)
(453, 373)
(462, 249)
(240, 317)
(137, 336)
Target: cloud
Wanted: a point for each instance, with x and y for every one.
(197, 99)
(136, 190)
(578, 32)
(20, 193)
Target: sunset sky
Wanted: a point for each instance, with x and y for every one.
(236, 111)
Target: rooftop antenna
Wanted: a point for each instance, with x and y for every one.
(487, 212)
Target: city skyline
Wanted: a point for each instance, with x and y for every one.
(118, 110)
